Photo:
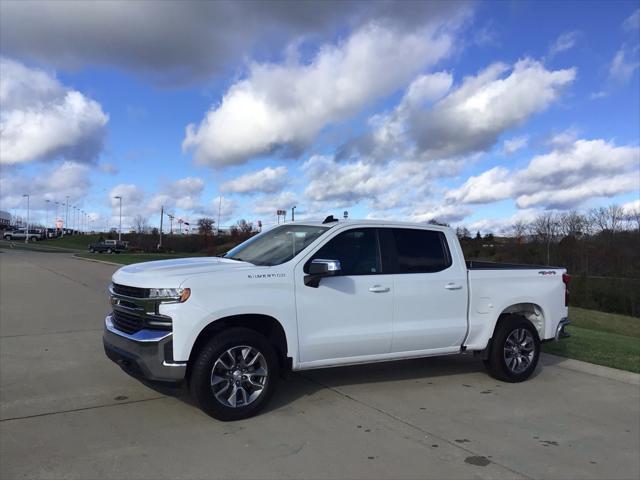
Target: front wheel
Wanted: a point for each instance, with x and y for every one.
(514, 350)
(234, 374)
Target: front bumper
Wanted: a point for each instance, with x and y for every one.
(147, 353)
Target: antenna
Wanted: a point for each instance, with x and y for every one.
(329, 219)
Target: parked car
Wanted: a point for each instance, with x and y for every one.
(108, 246)
(21, 234)
(311, 295)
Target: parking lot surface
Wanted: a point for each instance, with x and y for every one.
(67, 411)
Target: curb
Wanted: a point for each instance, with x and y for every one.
(97, 261)
(591, 369)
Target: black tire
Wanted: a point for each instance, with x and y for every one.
(8, 237)
(109, 251)
(503, 362)
(202, 372)
(91, 250)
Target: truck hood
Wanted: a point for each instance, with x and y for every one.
(171, 273)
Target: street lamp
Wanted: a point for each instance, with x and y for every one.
(46, 229)
(120, 226)
(293, 213)
(66, 216)
(26, 238)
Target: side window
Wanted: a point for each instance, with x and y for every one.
(357, 251)
(421, 251)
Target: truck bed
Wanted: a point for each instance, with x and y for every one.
(485, 265)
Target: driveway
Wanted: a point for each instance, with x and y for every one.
(67, 411)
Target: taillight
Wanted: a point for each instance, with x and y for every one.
(566, 278)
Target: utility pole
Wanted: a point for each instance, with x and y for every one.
(120, 226)
(161, 217)
(219, 208)
(26, 238)
(170, 223)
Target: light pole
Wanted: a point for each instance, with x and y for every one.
(26, 238)
(46, 229)
(293, 213)
(120, 227)
(66, 216)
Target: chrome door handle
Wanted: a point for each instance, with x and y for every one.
(453, 286)
(379, 289)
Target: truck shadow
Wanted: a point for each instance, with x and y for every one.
(296, 385)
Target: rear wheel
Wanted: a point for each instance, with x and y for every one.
(514, 350)
(7, 237)
(109, 251)
(234, 374)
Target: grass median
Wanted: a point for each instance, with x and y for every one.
(129, 258)
(603, 338)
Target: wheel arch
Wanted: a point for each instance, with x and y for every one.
(265, 325)
(529, 311)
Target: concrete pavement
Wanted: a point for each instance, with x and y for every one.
(67, 411)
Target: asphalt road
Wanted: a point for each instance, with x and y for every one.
(66, 411)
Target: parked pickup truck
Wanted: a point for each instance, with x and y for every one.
(107, 246)
(312, 295)
(21, 234)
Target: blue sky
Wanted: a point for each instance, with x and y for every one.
(476, 114)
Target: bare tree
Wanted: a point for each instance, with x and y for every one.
(546, 228)
(205, 226)
(572, 223)
(244, 226)
(607, 218)
(633, 217)
(140, 224)
(519, 229)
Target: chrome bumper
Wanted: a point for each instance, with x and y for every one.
(147, 353)
(560, 332)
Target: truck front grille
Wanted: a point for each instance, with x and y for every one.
(128, 291)
(127, 322)
(131, 322)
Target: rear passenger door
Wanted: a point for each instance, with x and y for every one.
(430, 301)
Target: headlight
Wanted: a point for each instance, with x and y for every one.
(176, 294)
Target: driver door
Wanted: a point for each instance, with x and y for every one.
(348, 316)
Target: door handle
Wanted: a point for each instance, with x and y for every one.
(379, 289)
(453, 286)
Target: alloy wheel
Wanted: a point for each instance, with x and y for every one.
(519, 350)
(239, 376)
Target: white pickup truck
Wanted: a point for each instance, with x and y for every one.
(311, 295)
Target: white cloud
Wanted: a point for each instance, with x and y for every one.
(564, 42)
(503, 225)
(281, 108)
(267, 180)
(472, 117)
(633, 206)
(42, 119)
(564, 178)
(514, 144)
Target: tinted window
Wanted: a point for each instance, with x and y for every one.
(421, 251)
(357, 251)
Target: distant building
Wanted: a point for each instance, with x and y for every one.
(5, 219)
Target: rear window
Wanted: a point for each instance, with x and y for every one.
(421, 251)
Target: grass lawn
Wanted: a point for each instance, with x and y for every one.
(129, 258)
(603, 338)
(73, 242)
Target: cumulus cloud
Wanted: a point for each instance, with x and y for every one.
(42, 119)
(564, 178)
(472, 117)
(173, 44)
(282, 107)
(432, 121)
(632, 22)
(267, 180)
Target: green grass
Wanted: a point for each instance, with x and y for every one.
(603, 338)
(129, 258)
(73, 242)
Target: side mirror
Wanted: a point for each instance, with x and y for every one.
(320, 268)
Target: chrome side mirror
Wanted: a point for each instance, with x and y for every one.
(320, 268)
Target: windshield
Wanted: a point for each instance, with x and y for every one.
(276, 246)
